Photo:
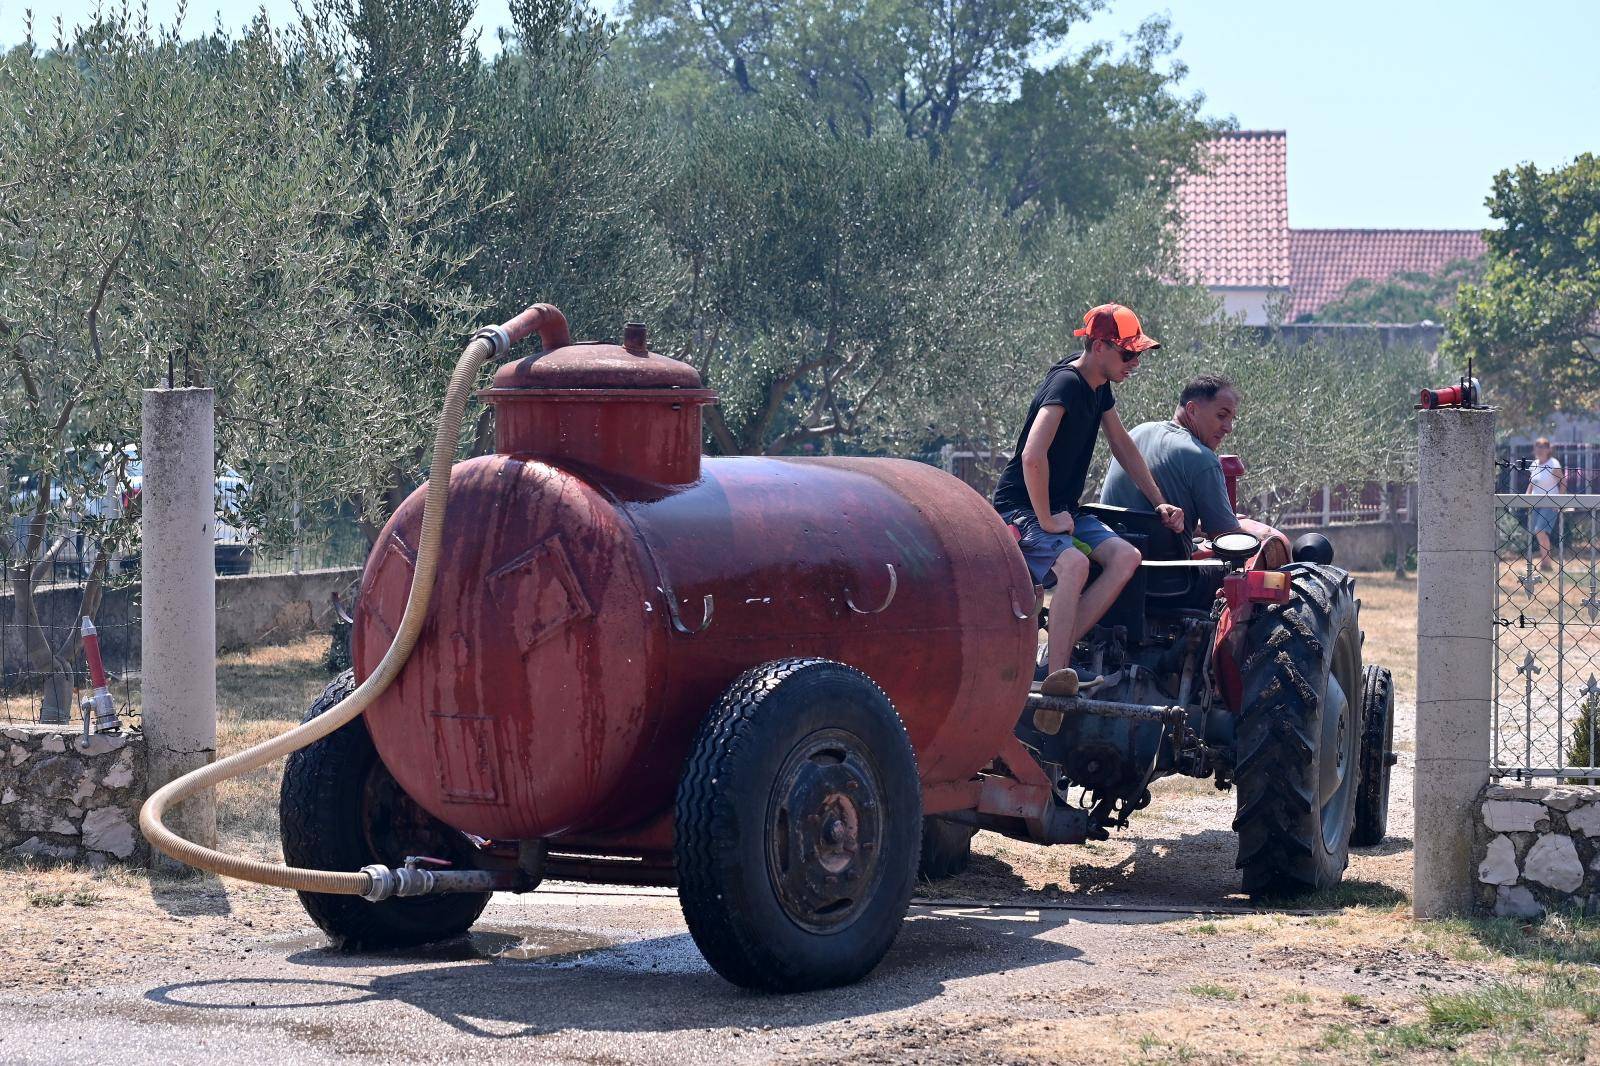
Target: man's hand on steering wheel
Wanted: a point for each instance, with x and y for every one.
(1171, 516)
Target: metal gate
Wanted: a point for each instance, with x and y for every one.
(1547, 636)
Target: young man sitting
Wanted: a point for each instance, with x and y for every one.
(1041, 485)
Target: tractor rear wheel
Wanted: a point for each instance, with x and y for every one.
(798, 821)
(946, 848)
(1377, 757)
(1299, 736)
(339, 808)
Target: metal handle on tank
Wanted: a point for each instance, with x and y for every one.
(707, 607)
(894, 586)
(1038, 604)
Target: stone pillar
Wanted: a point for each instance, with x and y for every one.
(178, 622)
(1455, 649)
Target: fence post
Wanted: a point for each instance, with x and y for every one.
(178, 614)
(1455, 648)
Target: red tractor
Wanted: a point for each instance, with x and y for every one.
(785, 684)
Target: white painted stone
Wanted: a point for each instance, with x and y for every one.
(1512, 816)
(1585, 820)
(1533, 793)
(1499, 865)
(1567, 799)
(54, 743)
(121, 775)
(107, 829)
(9, 797)
(14, 734)
(1553, 861)
(1515, 901)
(18, 754)
(103, 743)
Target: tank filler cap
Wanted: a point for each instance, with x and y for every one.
(598, 366)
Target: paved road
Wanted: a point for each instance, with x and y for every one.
(604, 976)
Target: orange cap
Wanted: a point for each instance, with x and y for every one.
(1117, 324)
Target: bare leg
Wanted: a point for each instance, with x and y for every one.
(1544, 550)
(1118, 560)
(1070, 569)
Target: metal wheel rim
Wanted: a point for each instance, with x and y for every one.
(824, 831)
(1338, 750)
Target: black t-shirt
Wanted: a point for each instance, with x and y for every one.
(1072, 448)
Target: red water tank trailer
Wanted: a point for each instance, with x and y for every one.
(601, 585)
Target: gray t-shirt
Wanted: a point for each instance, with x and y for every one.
(1188, 473)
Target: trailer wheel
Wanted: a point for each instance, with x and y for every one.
(798, 821)
(1377, 757)
(946, 848)
(339, 808)
(1299, 737)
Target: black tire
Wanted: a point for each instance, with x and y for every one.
(1299, 736)
(339, 808)
(798, 822)
(946, 848)
(1377, 757)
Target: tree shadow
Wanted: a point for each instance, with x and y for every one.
(659, 984)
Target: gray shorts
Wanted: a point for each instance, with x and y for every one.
(1042, 549)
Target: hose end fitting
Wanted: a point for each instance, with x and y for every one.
(499, 340)
(387, 883)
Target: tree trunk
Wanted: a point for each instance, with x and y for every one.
(53, 677)
(1397, 529)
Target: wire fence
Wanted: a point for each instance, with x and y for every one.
(1547, 637)
(42, 672)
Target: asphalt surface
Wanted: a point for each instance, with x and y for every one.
(583, 976)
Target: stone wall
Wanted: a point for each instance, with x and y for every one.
(63, 803)
(1360, 545)
(1537, 850)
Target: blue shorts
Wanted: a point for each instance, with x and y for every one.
(1542, 520)
(1042, 549)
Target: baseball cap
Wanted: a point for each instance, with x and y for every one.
(1117, 324)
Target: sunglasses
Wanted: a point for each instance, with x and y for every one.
(1127, 356)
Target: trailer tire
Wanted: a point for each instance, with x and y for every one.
(339, 808)
(946, 848)
(799, 817)
(1377, 757)
(1299, 735)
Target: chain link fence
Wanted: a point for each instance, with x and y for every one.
(1547, 637)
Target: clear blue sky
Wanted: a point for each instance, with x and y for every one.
(1398, 112)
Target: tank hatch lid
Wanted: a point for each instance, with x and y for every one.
(597, 366)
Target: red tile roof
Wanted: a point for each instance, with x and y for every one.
(1323, 261)
(1236, 215)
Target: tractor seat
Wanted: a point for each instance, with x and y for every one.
(1143, 529)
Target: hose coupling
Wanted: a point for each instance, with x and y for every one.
(499, 340)
(387, 883)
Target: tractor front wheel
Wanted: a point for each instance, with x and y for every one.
(1299, 736)
(798, 820)
(1377, 757)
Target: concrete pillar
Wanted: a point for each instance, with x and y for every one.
(1455, 649)
(178, 621)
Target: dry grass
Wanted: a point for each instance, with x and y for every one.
(1389, 619)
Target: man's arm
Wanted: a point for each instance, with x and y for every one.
(1036, 468)
(1127, 453)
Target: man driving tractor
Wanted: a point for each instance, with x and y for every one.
(1181, 454)
(1039, 490)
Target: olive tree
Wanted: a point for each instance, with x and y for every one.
(185, 213)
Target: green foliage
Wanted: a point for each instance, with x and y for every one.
(954, 78)
(1531, 325)
(1585, 730)
(1409, 296)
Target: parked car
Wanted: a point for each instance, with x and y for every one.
(119, 492)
